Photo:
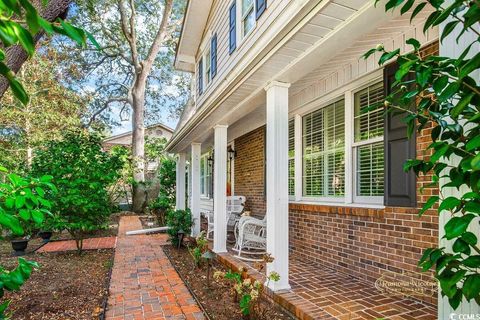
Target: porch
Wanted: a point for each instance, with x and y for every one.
(320, 292)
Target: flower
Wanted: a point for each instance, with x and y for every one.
(238, 287)
(274, 276)
(257, 284)
(254, 294)
(241, 270)
(379, 47)
(247, 282)
(217, 275)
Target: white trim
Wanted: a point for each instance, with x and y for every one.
(349, 164)
(298, 157)
(338, 204)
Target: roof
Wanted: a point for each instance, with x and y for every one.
(125, 134)
(193, 28)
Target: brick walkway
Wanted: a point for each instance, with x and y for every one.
(144, 284)
(88, 244)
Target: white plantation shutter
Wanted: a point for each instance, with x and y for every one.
(291, 157)
(368, 137)
(323, 151)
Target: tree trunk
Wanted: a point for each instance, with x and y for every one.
(15, 55)
(138, 147)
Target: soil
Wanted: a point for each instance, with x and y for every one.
(67, 286)
(218, 300)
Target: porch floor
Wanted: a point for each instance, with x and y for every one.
(319, 292)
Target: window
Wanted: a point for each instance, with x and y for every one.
(200, 77)
(368, 141)
(206, 177)
(248, 16)
(291, 157)
(324, 151)
(208, 63)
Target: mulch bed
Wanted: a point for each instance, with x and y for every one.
(217, 301)
(67, 286)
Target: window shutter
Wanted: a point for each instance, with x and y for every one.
(200, 76)
(233, 27)
(261, 5)
(213, 53)
(400, 187)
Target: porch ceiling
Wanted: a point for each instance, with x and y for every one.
(311, 49)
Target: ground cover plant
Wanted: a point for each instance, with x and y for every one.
(446, 93)
(82, 172)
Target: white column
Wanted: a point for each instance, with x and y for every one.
(277, 182)
(180, 187)
(220, 189)
(195, 195)
(349, 124)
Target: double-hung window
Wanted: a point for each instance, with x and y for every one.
(248, 16)
(324, 152)
(207, 58)
(368, 143)
(206, 177)
(291, 157)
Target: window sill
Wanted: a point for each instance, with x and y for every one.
(350, 209)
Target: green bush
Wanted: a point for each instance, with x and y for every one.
(82, 172)
(166, 196)
(178, 220)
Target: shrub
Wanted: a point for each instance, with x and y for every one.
(82, 172)
(201, 245)
(166, 196)
(22, 207)
(178, 220)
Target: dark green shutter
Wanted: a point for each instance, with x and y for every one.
(400, 187)
(213, 50)
(233, 27)
(261, 5)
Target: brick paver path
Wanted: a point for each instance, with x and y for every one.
(88, 244)
(144, 284)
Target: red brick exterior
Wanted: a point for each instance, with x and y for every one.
(364, 243)
(250, 170)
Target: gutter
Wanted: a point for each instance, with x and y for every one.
(269, 48)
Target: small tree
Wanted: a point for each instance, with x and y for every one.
(178, 220)
(82, 172)
(447, 98)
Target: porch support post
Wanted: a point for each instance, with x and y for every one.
(180, 185)
(195, 185)
(220, 190)
(277, 182)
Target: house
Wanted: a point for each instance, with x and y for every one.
(278, 89)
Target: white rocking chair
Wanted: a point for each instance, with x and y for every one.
(235, 205)
(251, 235)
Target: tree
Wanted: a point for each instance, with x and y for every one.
(82, 172)
(52, 109)
(20, 29)
(446, 93)
(134, 70)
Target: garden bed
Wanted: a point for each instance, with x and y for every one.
(67, 286)
(218, 300)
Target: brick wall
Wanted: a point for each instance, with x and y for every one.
(365, 243)
(250, 170)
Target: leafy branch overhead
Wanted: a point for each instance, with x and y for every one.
(446, 93)
(20, 22)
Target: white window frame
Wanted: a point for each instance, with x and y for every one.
(331, 199)
(239, 25)
(244, 16)
(205, 194)
(206, 55)
(350, 198)
(362, 199)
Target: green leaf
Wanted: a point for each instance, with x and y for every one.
(430, 202)
(473, 144)
(18, 91)
(472, 262)
(387, 56)
(449, 91)
(74, 33)
(476, 162)
(457, 226)
(471, 286)
(25, 38)
(472, 65)
(413, 42)
(407, 6)
(24, 214)
(417, 10)
(19, 202)
(37, 216)
(439, 153)
(92, 40)
(11, 223)
(461, 105)
(449, 203)
(460, 246)
(449, 27)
